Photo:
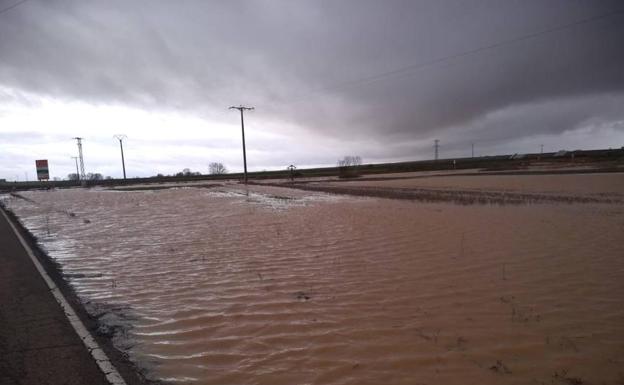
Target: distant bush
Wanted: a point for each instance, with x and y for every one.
(217, 168)
(95, 176)
(349, 166)
(187, 172)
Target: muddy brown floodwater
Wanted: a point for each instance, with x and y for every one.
(599, 184)
(276, 286)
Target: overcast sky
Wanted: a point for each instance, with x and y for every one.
(381, 79)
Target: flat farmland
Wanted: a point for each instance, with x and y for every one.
(228, 284)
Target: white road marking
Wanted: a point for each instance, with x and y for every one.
(102, 360)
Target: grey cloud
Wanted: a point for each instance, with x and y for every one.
(291, 58)
(541, 118)
(32, 137)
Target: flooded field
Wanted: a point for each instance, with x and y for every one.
(268, 285)
(580, 184)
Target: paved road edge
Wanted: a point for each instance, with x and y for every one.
(100, 357)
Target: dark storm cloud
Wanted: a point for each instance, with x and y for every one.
(304, 61)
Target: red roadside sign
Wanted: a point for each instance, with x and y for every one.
(43, 173)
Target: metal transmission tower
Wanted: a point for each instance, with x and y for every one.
(121, 137)
(75, 158)
(83, 176)
(436, 146)
(241, 109)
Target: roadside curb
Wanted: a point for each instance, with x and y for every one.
(100, 357)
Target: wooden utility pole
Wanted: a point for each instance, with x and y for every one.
(242, 109)
(123, 162)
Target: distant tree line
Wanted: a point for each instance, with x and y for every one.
(188, 172)
(215, 168)
(89, 176)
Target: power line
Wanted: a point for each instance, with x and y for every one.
(10, 7)
(402, 71)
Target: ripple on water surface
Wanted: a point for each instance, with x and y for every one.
(274, 286)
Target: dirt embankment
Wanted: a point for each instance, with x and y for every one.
(453, 195)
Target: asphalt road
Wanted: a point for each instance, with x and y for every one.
(38, 346)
